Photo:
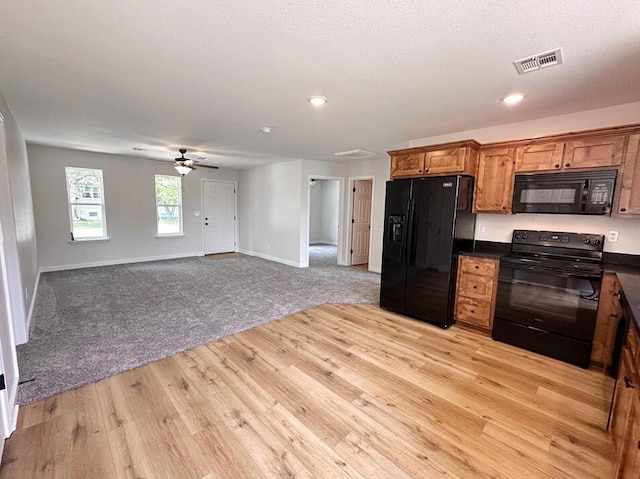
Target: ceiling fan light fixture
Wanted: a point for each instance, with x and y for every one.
(183, 169)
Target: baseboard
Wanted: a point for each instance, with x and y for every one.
(33, 302)
(271, 258)
(375, 270)
(64, 267)
(328, 243)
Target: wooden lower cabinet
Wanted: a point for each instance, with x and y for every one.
(625, 418)
(609, 313)
(476, 288)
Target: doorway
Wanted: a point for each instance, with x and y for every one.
(361, 201)
(219, 216)
(324, 221)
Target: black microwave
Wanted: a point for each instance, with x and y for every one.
(575, 192)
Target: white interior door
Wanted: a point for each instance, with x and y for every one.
(219, 217)
(361, 221)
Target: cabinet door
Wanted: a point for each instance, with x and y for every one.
(629, 199)
(494, 185)
(609, 311)
(594, 152)
(539, 157)
(624, 395)
(630, 460)
(411, 164)
(445, 161)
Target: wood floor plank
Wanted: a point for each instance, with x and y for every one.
(335, 391)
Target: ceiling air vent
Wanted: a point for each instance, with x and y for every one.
(356, 154)
(539, 61)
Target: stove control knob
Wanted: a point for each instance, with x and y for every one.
(596, 241)
(524, 236)
(517, 235)
(587, 241)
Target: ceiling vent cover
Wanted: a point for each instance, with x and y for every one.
(539, 61)
(356, 154)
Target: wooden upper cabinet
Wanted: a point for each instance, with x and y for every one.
(410, 164)
(446, 159)
(593, 152)
(628, 203)
(451, 161)
(494, 181)
(539, 157)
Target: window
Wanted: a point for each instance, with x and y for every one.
(169, 205)
(86, 203)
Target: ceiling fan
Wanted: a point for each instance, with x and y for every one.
(184, 165)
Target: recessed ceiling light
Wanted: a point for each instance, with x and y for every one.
(513, 98)
(266, 130)
(317, 100)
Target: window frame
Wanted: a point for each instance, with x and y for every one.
(71, 204)
(178, 205)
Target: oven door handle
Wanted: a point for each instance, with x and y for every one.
(558, 272)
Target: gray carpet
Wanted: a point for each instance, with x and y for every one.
(92, 323)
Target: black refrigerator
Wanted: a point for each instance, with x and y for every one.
(427, 222)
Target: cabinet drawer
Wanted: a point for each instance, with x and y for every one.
(473, 311)
(479, 266)
(476, 286)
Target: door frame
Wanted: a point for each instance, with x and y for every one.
(304, 246)
(235, 210)
(350, 205)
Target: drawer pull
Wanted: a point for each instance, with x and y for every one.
(567, 165)
(477, 267)
(557, 165)
(473, 311)
(628, 383)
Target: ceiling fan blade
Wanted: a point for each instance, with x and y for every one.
(202, 165)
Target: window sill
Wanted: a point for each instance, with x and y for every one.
(88, 240)
(181, 235)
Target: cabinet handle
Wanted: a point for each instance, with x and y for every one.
(504, 207)
(623, 209)
(567, 165)
(473, 310)
(419, 171)
(477, 267)
(628, 383)
(557, 165)
(475, 287)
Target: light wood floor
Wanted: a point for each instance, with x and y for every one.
(336, 391)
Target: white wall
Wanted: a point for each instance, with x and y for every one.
(130, 209)
(16, 212)
(270, 211)
(499, 227)
(324, 212)
(330, 211)
(315, 212)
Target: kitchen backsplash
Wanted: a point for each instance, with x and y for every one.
(490, 227)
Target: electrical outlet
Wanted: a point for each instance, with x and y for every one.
(613, 236)
(481, 228)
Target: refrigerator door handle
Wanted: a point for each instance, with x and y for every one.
(406, 253)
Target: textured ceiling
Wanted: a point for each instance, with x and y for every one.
(113, 75)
